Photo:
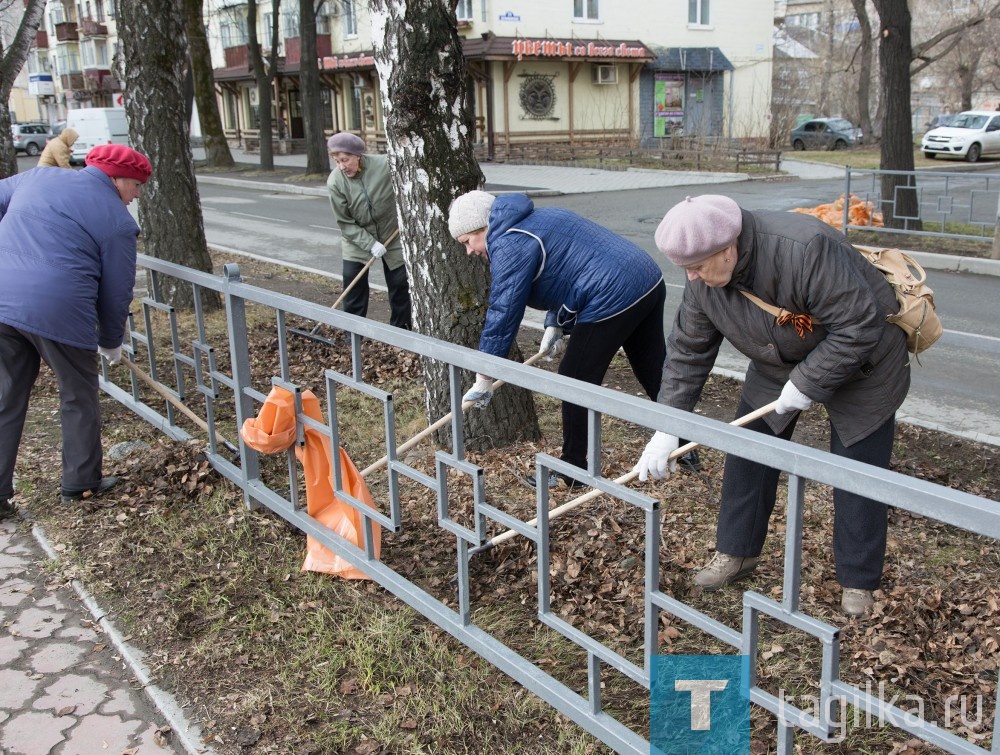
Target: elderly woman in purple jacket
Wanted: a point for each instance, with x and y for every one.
(67, 271)
(835, 348)
(605, 289)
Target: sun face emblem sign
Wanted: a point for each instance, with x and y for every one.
(538, 97)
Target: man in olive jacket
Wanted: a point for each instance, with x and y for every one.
(838, 351)
(364, 205)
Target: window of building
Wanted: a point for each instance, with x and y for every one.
(290, 23)
(67, 60)
(698, 13)
(350, 20)
(463, 11)
(323, 19)
(355, 114)
(586, 10)
(326, 97)
(87, 54)
(234, 32)
(101, 53)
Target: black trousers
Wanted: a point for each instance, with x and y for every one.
(80, 411)
(639, 330)
(859, 524)
(356, 301)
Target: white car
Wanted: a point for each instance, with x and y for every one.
(971, 135)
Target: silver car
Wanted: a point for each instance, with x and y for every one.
(30, 138)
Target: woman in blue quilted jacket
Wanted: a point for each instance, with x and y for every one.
(605, 289)
(67, 271)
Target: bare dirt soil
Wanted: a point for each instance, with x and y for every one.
(273, 660)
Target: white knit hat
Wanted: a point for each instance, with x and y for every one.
(469, 213)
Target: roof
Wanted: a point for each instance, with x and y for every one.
(690, 59)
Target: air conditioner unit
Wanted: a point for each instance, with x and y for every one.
(604, 73)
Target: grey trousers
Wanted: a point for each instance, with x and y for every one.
(80, 410)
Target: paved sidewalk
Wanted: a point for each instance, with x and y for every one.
(66, 683)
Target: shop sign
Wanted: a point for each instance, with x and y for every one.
(558, 48)
(348, 62)
(40, 84)
(668, 104)
(509, 16)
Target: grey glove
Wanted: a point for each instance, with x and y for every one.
(378, 249)
(552, 342)
(114, 356)
(481, 393)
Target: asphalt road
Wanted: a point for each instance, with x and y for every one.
(954, 389)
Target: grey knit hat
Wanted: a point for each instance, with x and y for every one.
(346, 142)
(470, 212)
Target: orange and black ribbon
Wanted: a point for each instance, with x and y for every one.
(803, 323)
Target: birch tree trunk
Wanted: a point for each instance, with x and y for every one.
(419, 60)
(11, 62)
(153, 85)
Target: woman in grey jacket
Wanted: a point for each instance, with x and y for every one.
(839, 352)
(364, 205)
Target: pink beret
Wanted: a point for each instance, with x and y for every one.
(695, 229)
(119, 161)
(346, 142)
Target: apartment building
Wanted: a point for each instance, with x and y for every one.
(574, 71)
(70, 62)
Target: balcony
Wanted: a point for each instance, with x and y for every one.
(90, 28)
(71, 81)
(94, 80)
(67, 32)
(237, 57)
(42, 40)
(293, 49)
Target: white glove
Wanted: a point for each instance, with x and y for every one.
(552, 342)
(655, 461)
(114, 356)
(378, 249)
(792, 400)
(481, 392)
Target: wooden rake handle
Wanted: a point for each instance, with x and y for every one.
(436, 426)
(178, 404)
(590, 495)
(361, 274)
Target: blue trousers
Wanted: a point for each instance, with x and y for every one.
(79, 403)
(859, 524)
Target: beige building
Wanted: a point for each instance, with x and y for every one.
(587, 71)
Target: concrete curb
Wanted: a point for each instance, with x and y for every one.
(189, 735)
(320, 191)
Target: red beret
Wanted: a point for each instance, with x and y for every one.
(119, 161)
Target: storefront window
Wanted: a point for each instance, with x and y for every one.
(668, 104)
(326, 97)
(355, 114)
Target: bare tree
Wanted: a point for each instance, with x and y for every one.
(264, 72)
(153, 86)
(317, 160)
(419, 59)
(12, 59)
(216, 147)
(864, 57)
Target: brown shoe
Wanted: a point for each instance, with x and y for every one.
(856, 602)
(723, 569)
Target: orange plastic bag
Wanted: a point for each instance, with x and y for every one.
(858, 213)
(273, 431)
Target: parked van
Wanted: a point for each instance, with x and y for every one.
(96, 125)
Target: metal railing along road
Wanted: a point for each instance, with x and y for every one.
(214, 366)
(959, 205)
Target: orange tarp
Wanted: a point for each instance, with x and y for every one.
(273, 431)
(858, 213)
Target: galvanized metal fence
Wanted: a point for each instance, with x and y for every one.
(156, 336)
(959, 205)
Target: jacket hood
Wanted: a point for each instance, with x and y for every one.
(509, 210)
(69, 136)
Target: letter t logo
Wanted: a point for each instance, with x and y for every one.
(701, 699)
